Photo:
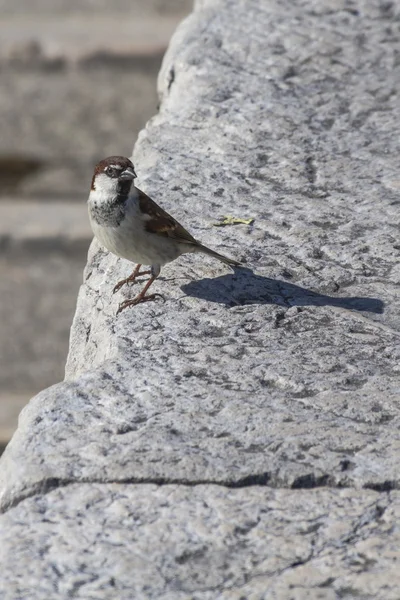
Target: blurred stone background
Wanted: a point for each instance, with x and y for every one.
(78, 82)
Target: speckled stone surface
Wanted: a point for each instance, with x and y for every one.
(203, 542)
(284, 373)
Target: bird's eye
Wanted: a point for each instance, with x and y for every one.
(111, 172)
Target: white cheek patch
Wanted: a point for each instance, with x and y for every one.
(103, 183)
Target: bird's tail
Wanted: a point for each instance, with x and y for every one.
(221, 257)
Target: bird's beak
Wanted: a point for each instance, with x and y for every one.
(128, 174)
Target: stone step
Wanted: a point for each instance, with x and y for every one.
(74, 38)
(78, 83)
(43, 251)
(72, 30)
(10, 407)
(38, 225)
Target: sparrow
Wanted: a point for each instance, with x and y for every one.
(131, 225)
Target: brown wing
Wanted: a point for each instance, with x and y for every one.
(161, 223)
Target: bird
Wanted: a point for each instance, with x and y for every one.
(132, 226)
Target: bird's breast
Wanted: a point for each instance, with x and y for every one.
(128, 238)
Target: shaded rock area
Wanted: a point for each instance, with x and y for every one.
(239, 440)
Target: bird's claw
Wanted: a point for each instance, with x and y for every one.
(138, 300)
(129, 280)
(119, 285)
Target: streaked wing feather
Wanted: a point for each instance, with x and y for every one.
(161, 223)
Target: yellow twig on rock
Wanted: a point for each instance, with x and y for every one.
(229, 220)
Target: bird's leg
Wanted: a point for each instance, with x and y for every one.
(131, 278)
(141, 297)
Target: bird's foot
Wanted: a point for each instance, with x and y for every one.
(136, 273)
(140, 298)
(120, 284)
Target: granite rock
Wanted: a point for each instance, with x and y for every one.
(202, 542)
(284, 373)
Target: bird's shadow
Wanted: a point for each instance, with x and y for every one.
(244, 287)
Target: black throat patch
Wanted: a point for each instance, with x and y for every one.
(110, 214)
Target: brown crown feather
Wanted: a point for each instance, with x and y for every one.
(110, 160)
